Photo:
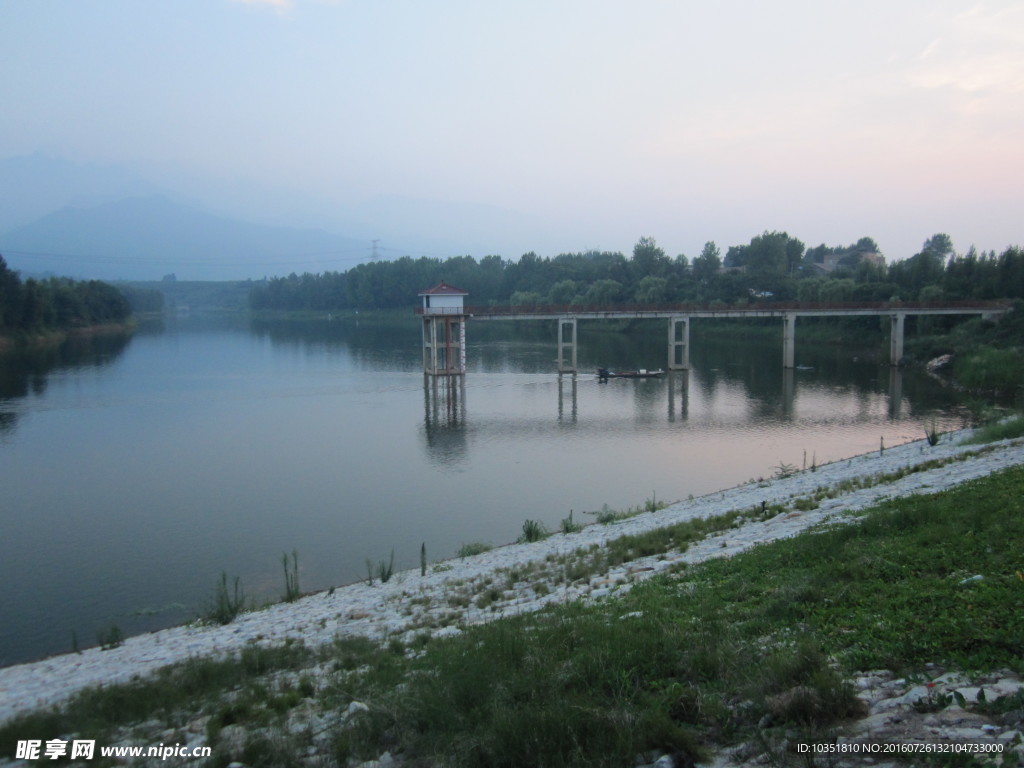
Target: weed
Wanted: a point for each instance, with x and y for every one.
(227, 604)
(291, 577)
(474, 548)
(805, 504)
(784, 470)
(386, 570)
(569, 526)
(932, 434)
(110, 638)
(533, 530)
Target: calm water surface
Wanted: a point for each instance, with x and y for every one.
(134, 471)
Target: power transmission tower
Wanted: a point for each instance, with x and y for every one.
(373, 254)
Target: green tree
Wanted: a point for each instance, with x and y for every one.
(648, 260)
(604, 292)
(563, 292)
(10, 296)
(707, 265)
(651, 290)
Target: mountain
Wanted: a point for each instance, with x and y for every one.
(145, 238)
(90, 220)
(35, 185)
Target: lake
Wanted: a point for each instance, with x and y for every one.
(134, 471)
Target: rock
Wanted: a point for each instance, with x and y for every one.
(232, 739)
(354, 708)
(384, 761)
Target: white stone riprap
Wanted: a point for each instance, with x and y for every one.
(444, 599)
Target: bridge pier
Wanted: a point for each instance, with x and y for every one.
(789, 340)
(896, 338)
(564, 323)
(679, 343)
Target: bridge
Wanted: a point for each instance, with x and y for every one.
(444, 326)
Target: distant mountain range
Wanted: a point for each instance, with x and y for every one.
(145, 238)
(102, 222)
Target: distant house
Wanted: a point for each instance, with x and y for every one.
(443, 299)
(835, 260)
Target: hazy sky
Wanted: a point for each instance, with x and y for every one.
(600, 122)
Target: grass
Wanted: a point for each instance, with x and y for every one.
(533, 530)
(109, 638)
(988, 369)
(386, 570)
(1004, 429)
(291, 577)
(474, 548)
(226, 604)
(568, 525)
(664, 667)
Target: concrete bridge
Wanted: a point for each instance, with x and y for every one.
(444, 352)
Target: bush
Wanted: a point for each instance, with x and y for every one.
(991, 369)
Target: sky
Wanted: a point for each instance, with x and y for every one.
(591, 123)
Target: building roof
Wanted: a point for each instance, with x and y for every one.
(443, 289)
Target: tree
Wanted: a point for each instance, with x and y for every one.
(604, 292)
(563, 292)
(651, 290)
(706, 265)
(10, 296)
(648, 259)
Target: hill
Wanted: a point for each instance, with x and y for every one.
(146, 238)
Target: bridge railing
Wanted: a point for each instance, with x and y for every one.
(682, 309)
(441, 311)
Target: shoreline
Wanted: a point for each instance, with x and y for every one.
(452, 593)
(53, 337)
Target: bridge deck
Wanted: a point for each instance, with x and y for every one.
(778, 309)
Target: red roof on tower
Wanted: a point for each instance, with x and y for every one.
(443, 289)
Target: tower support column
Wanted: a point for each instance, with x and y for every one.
(444, 344)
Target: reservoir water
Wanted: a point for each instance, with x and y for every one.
(134, 471)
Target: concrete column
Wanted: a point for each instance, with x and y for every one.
(429, 345)
(896, 338)
(679, 344)
(562, 343)
(462, 345)
(789, 341)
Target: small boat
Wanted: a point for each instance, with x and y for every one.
(603, 374)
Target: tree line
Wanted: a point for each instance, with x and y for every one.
(56, 303)
(773, 266)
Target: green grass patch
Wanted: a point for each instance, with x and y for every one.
(474, 548)
(1005, 429)
(667, 666)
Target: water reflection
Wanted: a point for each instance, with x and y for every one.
(678, 388)
(27, 373)
(568, 382)
(444, 418)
